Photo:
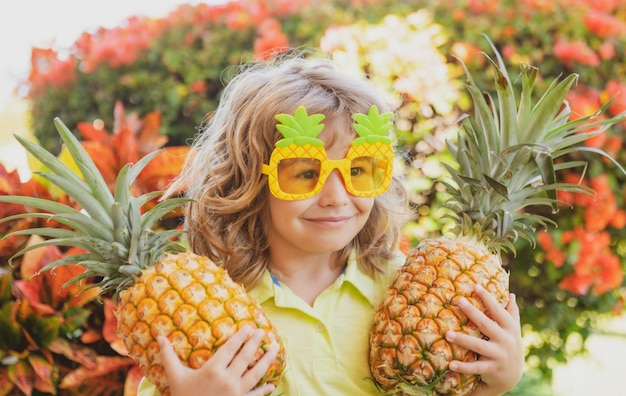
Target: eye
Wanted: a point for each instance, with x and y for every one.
(308, 174)
(356, 171)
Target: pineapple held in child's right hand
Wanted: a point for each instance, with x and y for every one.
(159, 288)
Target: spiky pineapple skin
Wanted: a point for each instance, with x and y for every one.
(197, 306)
(408, 348)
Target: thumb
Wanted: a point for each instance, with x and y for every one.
(169, 359)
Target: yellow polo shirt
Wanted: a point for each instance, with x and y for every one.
(327, 344)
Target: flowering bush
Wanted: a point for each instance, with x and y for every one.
(177, 66)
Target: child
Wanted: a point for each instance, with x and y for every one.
(316, 256)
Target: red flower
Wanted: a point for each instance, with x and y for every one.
(271, 40)
(604, 25)
(483, 6)
(48, 68)
(607, 50)
(575, 52)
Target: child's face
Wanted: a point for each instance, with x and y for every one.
(326, 222)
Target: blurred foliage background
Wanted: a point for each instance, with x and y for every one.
(165, 76)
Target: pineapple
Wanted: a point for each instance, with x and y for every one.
(159, 288)
(506, 162)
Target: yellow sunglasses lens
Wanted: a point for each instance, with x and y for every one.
(298, 175)
(303, 175)
(368, 173)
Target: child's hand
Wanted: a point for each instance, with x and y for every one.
(225, 373)
(501, 360)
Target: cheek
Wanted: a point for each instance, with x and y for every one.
(364, 205)
(281, 211)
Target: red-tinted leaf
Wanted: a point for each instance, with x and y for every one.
(126, 145)
(90, 336)
(109, 329)
(89, 133)
(46, 374)
(149, 137)
(35, 259)
(47, 287)
(11, 245)
(23, 376)
(76, 353)
(160, 172)
(105, 365)
(84, 297)
(105, 157)
(6, 385)
(30, 292)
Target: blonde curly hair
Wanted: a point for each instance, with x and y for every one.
(228, 218)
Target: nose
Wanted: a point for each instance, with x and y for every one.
(334, 191)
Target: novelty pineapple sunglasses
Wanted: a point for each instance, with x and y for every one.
(299, 166)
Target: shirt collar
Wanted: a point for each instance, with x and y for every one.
(353, 275)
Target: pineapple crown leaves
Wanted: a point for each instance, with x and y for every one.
(506, 153)
(118, 237)
(300, 128)
(372, 127)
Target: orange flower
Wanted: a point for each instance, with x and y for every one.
(601, 210)
(618, 220)
(198, 87)
(465, 51)
(596, 269)
(458, 15)
(553, 253)
(271, 40)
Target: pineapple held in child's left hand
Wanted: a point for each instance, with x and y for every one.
(506, 162)
(159, 288)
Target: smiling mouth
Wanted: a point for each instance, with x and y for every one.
(330, 220)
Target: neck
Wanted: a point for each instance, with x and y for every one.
(307, 277)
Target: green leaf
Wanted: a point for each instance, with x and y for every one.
(300, 127)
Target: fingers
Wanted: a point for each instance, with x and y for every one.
(499, 317)
(513, 309)
(245, 350)
(262, 390)
(230, 348)
(500, 325)
(170, 360)
(492, 327)
(254, 374)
